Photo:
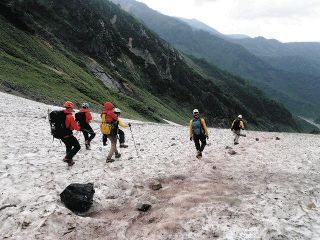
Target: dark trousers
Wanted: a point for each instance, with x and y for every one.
(104, 139)
(72, 146)
(88, 132)
(121, 137)
(197, 139)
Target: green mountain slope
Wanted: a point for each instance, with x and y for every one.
(94, 51)
(279, 84)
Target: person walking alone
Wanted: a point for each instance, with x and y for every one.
(198, 132)
(236, 127)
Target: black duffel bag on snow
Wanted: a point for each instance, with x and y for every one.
(78, 197)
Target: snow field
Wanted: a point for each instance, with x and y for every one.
(268, 190)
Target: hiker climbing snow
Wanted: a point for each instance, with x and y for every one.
(108, 127)
(237, 126)
(120, 133)
(198, 132)
(84, 118)
(62, 124)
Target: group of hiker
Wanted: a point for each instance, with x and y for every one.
(199, 132)
(63, 123)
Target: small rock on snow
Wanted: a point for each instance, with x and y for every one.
(311, 205)
(156, 186)
(232, 152)
(277, 138)
(143, 207)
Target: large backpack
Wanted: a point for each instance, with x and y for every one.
(81, 118)
(236, 125)
(197, 128)
(108, 128)
(57, 121)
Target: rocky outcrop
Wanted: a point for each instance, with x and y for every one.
(101, 74)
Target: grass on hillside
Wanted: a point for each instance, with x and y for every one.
(49, 73)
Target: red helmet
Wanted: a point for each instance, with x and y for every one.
(68, 104)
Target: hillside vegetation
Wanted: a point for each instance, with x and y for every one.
(94, 51)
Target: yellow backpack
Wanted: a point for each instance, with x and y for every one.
(105, 127)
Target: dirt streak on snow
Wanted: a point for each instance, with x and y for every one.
(268, 190)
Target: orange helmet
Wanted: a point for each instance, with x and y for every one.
(68, 104)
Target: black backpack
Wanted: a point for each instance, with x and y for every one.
(57, 121)
(78, 197)
(236, 125)
(81, 118)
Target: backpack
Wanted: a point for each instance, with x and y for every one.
(108, 128)
(57, 121)
(197, 128)
(78, 197)
(236, 125)
(81, 118)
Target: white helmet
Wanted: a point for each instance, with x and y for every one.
(240, 116)
(195, 111)
(117, 110)
(85, 105)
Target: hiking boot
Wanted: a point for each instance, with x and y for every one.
(123, 145)
(236, 143)
(71, 163)
(104, 143)
(65, 159)
(118, 155)
(109, 160)
(199, 154)
(87, 143)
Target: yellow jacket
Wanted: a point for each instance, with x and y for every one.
(204, 127)
(121, 124)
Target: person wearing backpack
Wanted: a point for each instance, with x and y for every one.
(84, 118)
(108, 128)
(121, 135)
(198, 132)
(72, 144)
(236, 127)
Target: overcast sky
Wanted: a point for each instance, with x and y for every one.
(285, 20)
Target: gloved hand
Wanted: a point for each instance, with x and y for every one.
(129, 124)
(191, 138)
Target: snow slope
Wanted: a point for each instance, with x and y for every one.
(268, 190)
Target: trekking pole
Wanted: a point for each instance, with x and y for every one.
(134, 142)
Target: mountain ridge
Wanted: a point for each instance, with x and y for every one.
(149, 78)
(278, 83)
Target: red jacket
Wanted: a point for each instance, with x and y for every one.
(88, 114)
(71, 123)
(108, 110)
